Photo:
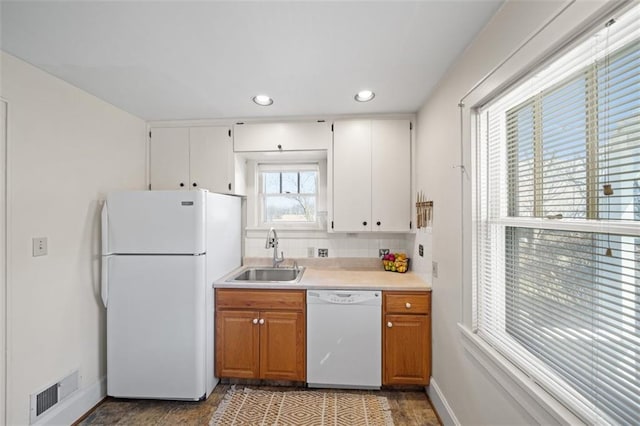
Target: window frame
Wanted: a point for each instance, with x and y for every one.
(289, 167)
(590, 224)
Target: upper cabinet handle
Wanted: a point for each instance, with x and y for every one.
(195, 184)
(181, 183)
(378, 223)
(279, 146)
(364, 223)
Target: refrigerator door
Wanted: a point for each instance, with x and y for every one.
(156, 343)
(154, 222)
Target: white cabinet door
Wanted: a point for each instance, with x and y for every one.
(211, 156)
(391, 175)
(169, 158)
(281, 137)
(352, 176)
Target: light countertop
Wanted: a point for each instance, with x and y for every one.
(342, 274)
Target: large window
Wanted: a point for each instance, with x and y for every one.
(288, 193)
(557, 215)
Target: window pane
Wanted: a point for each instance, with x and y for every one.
(520, 135)
(290, 182)
(289, 208)
(271, 183)
(308, 182)
(564, 140)
(578, 309)
(619, 135)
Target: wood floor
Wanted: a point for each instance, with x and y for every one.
(408, 408)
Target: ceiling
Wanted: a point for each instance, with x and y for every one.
(165, 60)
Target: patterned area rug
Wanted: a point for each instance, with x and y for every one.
(258, 407)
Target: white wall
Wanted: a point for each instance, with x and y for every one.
(66, 150)
(474, 397)
(3, 266)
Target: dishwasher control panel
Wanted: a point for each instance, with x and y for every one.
(344, 297)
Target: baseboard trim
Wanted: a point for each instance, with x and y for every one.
(76, 405)
(441, 405)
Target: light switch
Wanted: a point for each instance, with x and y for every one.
(39, 246)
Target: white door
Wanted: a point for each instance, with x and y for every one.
(169, 158)
(391, 177)
(352, 175)
(154, 222)
(156, 327)
(211, 158)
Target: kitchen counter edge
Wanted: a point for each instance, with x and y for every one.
(326, 279)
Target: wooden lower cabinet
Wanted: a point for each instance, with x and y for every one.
(406, 338)
(265, 343)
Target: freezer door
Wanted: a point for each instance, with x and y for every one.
(156, 342)
(154, 222)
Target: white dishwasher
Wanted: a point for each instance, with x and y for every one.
(344, 346)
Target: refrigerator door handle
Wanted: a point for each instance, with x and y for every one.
(104, 282)
(104, 220)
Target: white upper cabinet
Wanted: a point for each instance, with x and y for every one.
(371, 176)
(391, 175)
(352, 176)
(261, 137)
(169, 158)
(195, 157)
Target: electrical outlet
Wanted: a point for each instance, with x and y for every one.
(323, 252)
(310, 251)
(382, 252)
(434, 269)
(39, 246)
(420, 250)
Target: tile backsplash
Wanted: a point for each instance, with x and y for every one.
(337, 245)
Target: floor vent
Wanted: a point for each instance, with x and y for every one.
(52, 395)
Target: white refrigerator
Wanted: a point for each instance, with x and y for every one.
(162, 251)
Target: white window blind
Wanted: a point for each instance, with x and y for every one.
(557, 214)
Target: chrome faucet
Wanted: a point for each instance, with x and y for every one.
(272, 241)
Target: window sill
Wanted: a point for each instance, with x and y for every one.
(533, 399)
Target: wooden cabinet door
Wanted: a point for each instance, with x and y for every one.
(352, 176)
(169, 158)
(407, 355)
(237, 344)
(282, 346)
(391, 175)
(211, 158)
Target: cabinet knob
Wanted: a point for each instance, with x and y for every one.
(181, 183)
(407, 305)
(195, 184)
(261, 321)
(389, 324)
(229, 186)
(255, 320)
(378, 223)
(364, 223)
(279, 146)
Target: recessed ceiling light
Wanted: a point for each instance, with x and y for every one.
(364, 96)
(262, 100)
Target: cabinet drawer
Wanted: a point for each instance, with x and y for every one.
(293, 300)
(406, 302)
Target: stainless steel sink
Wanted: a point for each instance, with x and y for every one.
(261, 274)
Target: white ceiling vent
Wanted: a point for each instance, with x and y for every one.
(50, 396)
